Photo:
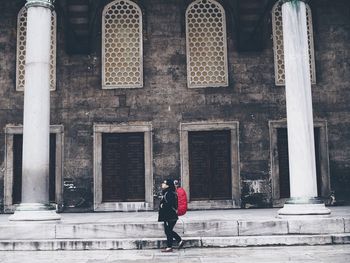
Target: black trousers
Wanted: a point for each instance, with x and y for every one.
(170, 233)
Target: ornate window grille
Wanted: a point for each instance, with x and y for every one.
(277, 30)
(21, 49)
(122, 61)
(206, 45)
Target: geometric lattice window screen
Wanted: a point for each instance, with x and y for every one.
(206, 45)
(277, 31)
(122, 62)
(21, 49)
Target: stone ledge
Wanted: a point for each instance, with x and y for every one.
(149, 230)
(27, 231)
(341, 239)
(285, 240)
(316, 226)
(107, 231)
(205, 228)
(268, 227)
(154, 243)
(208, 228)
(347, 225)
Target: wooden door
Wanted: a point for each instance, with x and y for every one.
(123, 167)
(210, 165)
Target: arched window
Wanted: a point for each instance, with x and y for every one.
(21, 49)
(206, 45)
(122, 62)
(277, 30)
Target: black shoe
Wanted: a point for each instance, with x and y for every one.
(181, 244)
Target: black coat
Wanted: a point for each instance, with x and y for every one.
(168, 206)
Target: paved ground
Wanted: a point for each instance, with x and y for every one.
(301, 254)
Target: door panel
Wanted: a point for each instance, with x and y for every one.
(221, 168)
(123, 167)
(283, 162)
(199, 166)
(210, 165)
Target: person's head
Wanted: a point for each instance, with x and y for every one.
(176, 183)
(168, 183)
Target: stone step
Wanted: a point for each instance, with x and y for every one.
(203, 228)
(187, 228)
(157, 243)
(217, 228)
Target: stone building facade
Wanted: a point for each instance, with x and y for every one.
(165, 123)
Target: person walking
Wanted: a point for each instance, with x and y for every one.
(168, 214)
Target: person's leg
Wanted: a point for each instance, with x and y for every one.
(173, 233)
(168, 233)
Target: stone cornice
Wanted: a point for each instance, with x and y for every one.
(42, 3)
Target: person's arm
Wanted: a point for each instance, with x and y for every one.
(170, 201)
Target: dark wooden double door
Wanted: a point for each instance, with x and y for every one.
(123, 167)
(283, 161)
(210, 165)
(17, 168)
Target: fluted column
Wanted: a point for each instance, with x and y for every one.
(36, 121)
(302, 165)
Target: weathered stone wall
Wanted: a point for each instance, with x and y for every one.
(252, 98)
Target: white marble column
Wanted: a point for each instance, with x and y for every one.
(302, 165)
(36, 123)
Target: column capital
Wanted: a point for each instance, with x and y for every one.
(41, 3)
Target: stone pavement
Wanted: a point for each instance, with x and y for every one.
(301, 254)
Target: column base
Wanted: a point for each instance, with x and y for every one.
(34, 212)
(310, 207)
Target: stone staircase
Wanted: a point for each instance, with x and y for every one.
(221, 228)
